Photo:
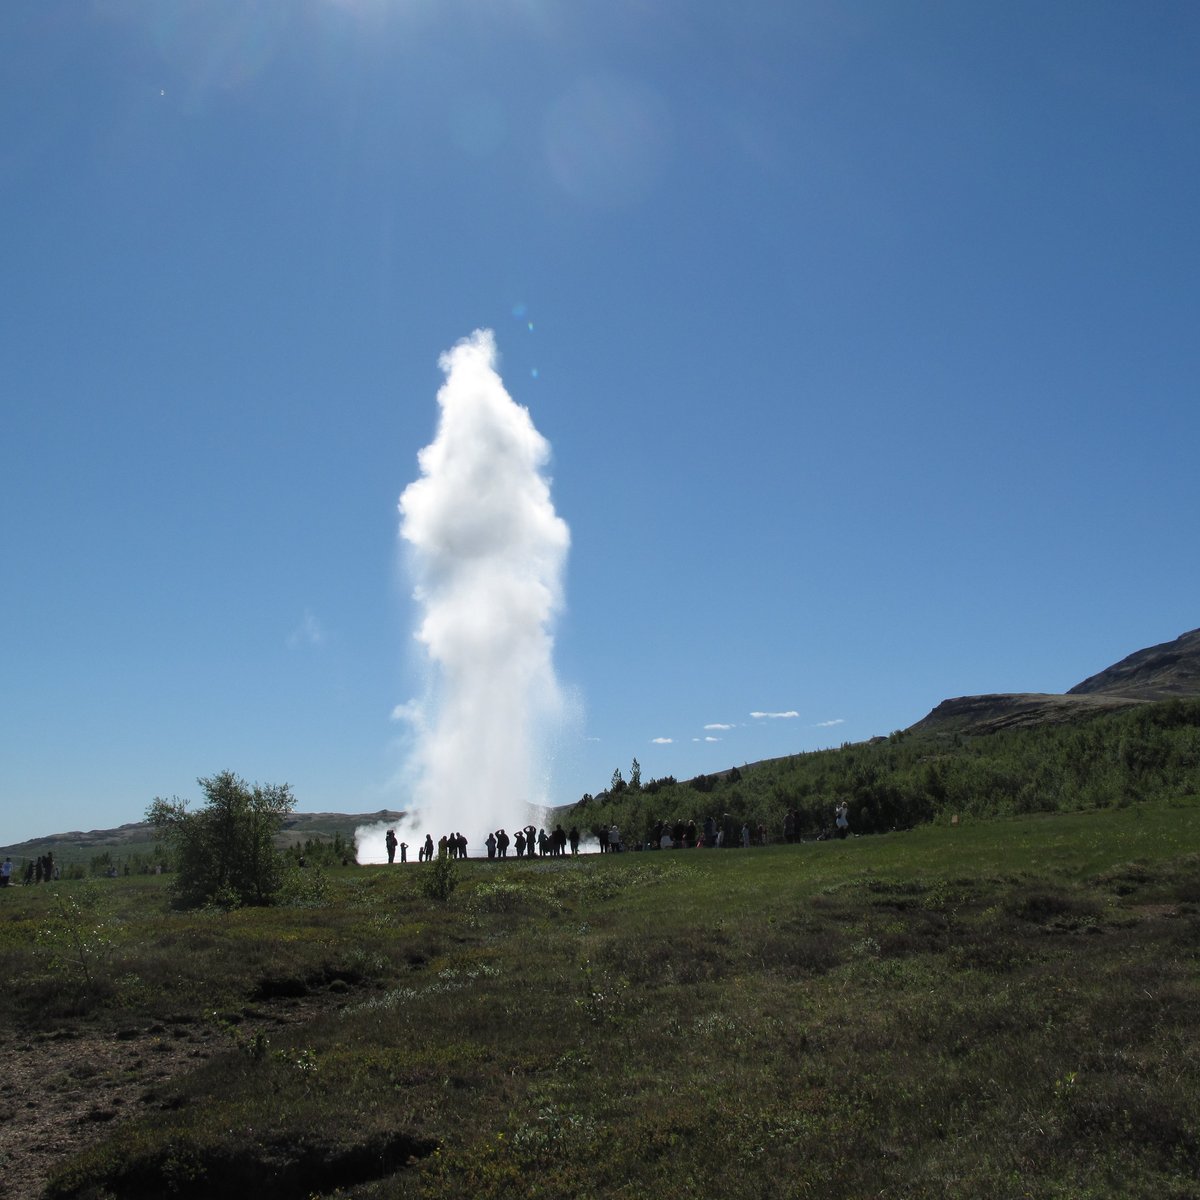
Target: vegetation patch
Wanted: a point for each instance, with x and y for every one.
(931, 1013)
(273, 1168)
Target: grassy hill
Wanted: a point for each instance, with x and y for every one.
(992, 1009)
(1131, 731)
(1110, 756)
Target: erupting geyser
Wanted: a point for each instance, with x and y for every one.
(486, 553)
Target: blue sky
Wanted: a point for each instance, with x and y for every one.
(864, 337)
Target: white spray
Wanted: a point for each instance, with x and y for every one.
(487, 553)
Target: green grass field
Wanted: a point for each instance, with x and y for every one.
(1000, 1009)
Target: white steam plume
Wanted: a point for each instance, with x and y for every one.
(487, 553)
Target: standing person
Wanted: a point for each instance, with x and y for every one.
(404, 852)
(614, 839)
(490, 843)
(502, 840)
(429, 847)
(573, 838)
(5, 872)
(390, 842)
(843, 819)
(746, 836)
(730, 830)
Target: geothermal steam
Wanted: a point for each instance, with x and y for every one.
(487, 553)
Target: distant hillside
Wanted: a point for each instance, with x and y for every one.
(1166, 672)
(1020, 710)
(138, 837)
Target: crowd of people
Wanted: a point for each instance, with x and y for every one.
(42, 869)
(531, 842)
(529, 839)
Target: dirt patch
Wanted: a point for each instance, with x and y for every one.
(64, 1089)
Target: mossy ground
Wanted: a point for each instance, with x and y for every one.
(989, 1010)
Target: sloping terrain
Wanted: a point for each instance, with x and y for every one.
(989, 714)
(1165, 672)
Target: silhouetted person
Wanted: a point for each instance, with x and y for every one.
(390, 842)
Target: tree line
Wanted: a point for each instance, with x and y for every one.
(1146, 753)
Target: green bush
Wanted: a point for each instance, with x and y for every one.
(441, 878)
(224, 852)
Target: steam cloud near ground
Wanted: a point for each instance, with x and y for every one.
(486, 553)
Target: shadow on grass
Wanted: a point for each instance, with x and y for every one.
(278, 1169)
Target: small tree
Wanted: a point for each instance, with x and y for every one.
(635, 775)
(442, 879)
(225, 851)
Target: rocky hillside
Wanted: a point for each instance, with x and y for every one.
(1165, 672)
(1158, 673)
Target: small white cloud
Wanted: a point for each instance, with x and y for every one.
(717, 725)
(712, 739)
(830, 724)
(774, 716)
(661, 741)
(307, 633)
(411, 712)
